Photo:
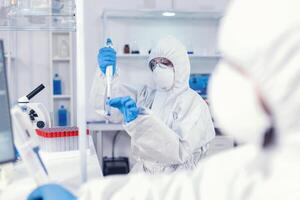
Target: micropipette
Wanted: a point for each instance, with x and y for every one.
(109, 76)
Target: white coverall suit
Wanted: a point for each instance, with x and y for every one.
(175, 127)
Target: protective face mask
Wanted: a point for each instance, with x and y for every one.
(236, 108)
(163, 77)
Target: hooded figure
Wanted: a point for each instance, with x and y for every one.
(174, 125)
(255, 97)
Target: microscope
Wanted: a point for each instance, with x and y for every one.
(37, 112)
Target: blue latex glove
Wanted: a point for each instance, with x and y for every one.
(50, 192)
(107, 57)
(127, 106)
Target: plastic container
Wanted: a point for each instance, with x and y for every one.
(64, 49)
(62, 116)
(126, 49)
(190, 49)
(57, 6)
(199, 82)
(135, 48)
(57, 89)
(59, 139)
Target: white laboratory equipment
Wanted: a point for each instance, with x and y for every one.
(27, 144)
(37, 112)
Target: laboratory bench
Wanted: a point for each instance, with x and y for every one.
(98, 128)
(63, 168)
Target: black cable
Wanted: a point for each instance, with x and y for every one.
(114, 143)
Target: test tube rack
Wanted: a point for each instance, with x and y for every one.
(59, 139)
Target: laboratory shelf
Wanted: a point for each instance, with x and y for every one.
(61, 63)
(37, 13)
(61, 59)
(102, 126)
(14, 18)
(142, 56)
(129, 56)
(31, 28)
(61, 96)
(9, 56)
(205, 56)
(38, 24)
(158, 14)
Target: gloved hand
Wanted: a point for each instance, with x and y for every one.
(106, 57)
(50, 192)
(127, 106)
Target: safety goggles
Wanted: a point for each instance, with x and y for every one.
(161, 62)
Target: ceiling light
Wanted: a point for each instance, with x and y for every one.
(168, 14)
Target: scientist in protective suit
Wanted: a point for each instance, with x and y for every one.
(255, 97)
(169, 124)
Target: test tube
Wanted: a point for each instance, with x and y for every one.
(68, 141)
(71, 141)
(46, 136)
(49, 139)
(42, 133)
(55, 141)
(64, 140)
(74, 139)
(44, 141)
(59, 141)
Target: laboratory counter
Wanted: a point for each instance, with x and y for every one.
(98, 128)
(58, 165)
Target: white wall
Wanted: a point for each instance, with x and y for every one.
(30, 64)
(196, 5)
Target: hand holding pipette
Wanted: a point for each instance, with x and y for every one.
(107, 64)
